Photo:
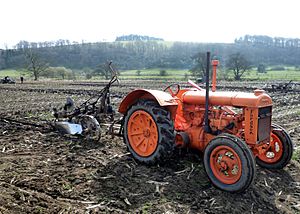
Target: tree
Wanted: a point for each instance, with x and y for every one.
(88, 73)
(105, 70)
(163, 73)
(238, 64)
(57, 72)
(1, 60)
(199, 68)
(186, 77)
(35, 64)
(64, 72)
(141, 54)
(261, 68)
(135, 37)
(102, 70)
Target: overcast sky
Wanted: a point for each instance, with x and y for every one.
(172, 20)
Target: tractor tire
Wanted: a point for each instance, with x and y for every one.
(280, 151)
(149, 132)
(229, 163)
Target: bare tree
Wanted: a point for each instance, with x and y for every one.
(35, 64)
(103, 70)
(199, 69)
(238, 64)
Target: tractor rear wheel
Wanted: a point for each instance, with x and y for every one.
(229, 163)
(280, 150)
(149, 132)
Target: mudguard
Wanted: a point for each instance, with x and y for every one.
(163, 99)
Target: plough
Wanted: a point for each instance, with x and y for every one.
(87, 118)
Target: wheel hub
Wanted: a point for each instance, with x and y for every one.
(142, 133)
(226, 164)
(146, 133)
(223, 165)
(274, 151)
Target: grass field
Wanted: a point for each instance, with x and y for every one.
(274, 75)
(154, 74)
(288, 74)
(181, 74)
(14, 73)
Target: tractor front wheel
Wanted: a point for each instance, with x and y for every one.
(149, 132)
(229, 163)
(280, 150)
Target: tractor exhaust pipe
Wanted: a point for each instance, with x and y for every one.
(214, 64)
(207, 128)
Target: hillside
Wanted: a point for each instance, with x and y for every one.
(152, 54)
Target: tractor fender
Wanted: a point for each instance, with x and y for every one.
(164, 99)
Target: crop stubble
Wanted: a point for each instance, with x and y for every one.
(43, 171)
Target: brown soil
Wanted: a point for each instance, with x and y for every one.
(42, 171)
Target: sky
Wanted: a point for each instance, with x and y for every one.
(172, 20)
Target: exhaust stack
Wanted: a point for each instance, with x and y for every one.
(214, 64)
(206, 122)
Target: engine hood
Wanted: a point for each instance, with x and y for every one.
(229, 98)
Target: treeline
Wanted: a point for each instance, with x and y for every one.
(135, 37)
(150, 54)
(267, 41)
(47, 44)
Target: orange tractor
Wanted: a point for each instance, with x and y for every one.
(232, 129)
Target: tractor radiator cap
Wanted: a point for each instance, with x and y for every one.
(258, 92)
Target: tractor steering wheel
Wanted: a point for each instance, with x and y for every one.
(169, 89)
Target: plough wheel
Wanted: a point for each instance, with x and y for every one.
(149, 132)
(229, 163)
(280, 150)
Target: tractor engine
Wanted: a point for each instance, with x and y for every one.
(247, 115)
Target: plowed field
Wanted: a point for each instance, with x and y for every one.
(42, 171)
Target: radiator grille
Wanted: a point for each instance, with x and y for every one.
(264, 123)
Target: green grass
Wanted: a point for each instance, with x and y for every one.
(13, 73)
(274, 75)
(289, 73)
(296, 155)
(154, 74)
(180, 74)
(146, 207)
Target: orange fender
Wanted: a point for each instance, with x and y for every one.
(163, 99)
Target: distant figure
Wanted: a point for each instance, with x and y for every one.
(22, 79)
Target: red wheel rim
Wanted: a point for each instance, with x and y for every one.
(226, 165)
(142, 133)
(274, 152)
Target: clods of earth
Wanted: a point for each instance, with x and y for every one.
(42, 171)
